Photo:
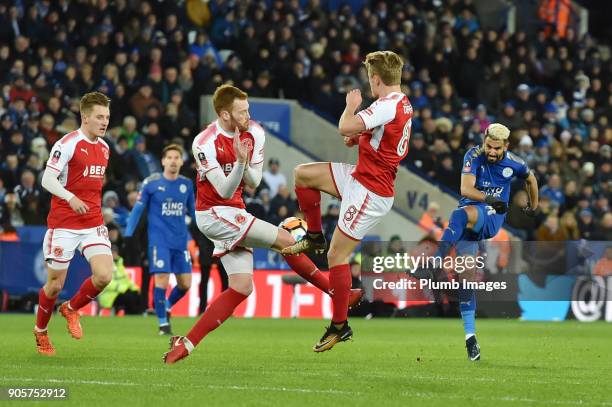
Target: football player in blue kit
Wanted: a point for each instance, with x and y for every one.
(486, 176)
(169, 198)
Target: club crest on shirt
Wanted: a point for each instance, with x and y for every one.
(183, 188)
(105, 153)
(507, 172)
(58, 251)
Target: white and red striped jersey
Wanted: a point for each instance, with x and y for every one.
(384, 143)
(80, 164)
(214, 148)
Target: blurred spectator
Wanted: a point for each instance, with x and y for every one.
(9, 171)
(30, 200)
(110, 200)
(551, 230)
(12, 213)
(273, 178)
(129, 130)
(603, 267)
(395, 246)
(603, 230)
(553, 190)
(254, 204)
(420, 157)
(283, 198)
(586, 225)
(144, 161)
(330, 220)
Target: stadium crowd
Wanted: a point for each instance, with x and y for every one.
(154, 62)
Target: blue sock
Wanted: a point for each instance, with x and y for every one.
(467, 306)
(175, 296)
(454, 231)
(159, 299)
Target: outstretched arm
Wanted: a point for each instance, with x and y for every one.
(531, 185)
(134, 219)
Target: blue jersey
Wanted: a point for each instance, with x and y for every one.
(168, 202)
(493, 179)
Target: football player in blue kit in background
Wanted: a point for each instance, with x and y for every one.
(169, 198)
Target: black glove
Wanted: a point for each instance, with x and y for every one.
(500, 206)
(529, 212)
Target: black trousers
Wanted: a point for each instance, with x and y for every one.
(130, 302)
(206, 261)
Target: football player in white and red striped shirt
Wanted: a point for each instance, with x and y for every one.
(74, 176)
(382, 132)
(230, 153)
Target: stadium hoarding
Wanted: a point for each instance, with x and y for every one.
(529, 286)
(273, 115)
(530, 280)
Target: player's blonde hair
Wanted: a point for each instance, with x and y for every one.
(89, 100)
(224, 97)
(386, 64)
(498, 132)
(173, 147)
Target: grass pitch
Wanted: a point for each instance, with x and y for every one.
(270, 362)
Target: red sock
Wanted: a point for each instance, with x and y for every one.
(310, 203)
(86, 293)
(45, 309)
(303, 266)
(221, 309)
(340, 283)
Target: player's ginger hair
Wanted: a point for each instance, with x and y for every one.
(386, 64)
(224, 97)
(89, 100)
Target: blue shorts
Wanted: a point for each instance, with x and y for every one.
(165, 260)
(487, 226)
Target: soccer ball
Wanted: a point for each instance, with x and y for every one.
(296, 226)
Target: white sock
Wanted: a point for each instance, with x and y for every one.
(468, 336)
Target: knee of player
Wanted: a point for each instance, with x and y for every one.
(243, 287)
(53, 288)
(472, 215)
(184, 286)
(102, 279)
(333, 257)
(284, 239)
(298, 175)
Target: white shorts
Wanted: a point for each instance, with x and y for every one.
(59, 245)
(361, 209)
(232, 229)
